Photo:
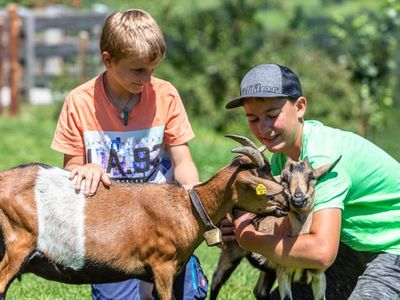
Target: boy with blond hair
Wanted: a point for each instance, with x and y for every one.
(127, 125)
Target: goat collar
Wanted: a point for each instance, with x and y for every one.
(212, 235)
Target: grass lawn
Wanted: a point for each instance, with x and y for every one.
(27, 139)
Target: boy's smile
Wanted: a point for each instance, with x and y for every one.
(277, 123)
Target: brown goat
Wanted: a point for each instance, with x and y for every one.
(146, 231)
(299, 180)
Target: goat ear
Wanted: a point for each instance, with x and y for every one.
(307, 162)
(271, 187)
(268, 186)
(321, 171)
(289, 160)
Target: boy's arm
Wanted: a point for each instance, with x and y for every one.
(316, 250)
(73, 161)
(185, 171)
(92, 173)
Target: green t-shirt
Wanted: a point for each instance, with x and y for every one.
(365, 184)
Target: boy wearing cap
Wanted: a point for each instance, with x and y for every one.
(357, 203)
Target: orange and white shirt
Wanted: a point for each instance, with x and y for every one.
(90, 125)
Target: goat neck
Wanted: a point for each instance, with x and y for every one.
(236, 186)
(216, 194)
(300, 222)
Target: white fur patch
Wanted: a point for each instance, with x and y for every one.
(60, 213)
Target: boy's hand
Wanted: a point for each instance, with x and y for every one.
(244, 222)
(92, 174)
(227, 230)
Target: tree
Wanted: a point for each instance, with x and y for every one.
(366, 45)
(210, 49)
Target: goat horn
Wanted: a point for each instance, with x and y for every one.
(255, 156)
(242, 140)
(247, 142)
(262, 148)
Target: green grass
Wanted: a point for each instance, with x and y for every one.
(28, 137)
(36, 288)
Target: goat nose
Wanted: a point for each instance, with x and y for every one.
(298, 194)
(298, 198)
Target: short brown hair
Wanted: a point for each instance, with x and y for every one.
(132, 32)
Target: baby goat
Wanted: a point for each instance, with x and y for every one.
(147, 231)
(299, 180)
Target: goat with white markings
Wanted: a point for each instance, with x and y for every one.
(147, 231)
(299, 180)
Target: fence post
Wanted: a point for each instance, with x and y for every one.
(76, 4)
(13, 52)
(83, 50)
(29, 50)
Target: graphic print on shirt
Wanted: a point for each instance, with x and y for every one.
(132, 155)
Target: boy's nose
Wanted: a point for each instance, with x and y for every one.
(265, 125)
(145, 78)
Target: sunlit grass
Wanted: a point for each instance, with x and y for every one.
(27, 138)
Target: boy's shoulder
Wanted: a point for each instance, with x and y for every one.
(161, 84)
(317, 131)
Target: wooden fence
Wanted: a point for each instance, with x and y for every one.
(34, 45)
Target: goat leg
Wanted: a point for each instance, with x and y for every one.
(164, 274)
(230, 257)
(264, 284)
(284, 282)
(318, 285)
(10, 267)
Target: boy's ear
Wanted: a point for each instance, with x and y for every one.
(301, 105)
(106, 58)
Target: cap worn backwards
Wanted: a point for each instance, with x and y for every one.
(268, 81)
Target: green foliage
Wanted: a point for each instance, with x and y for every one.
(344, 54)
(366, 44)
(209, 51)
(35, 3)
(204, 59)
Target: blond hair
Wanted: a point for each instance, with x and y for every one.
(132, 33)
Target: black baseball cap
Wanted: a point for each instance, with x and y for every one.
(268, 81)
